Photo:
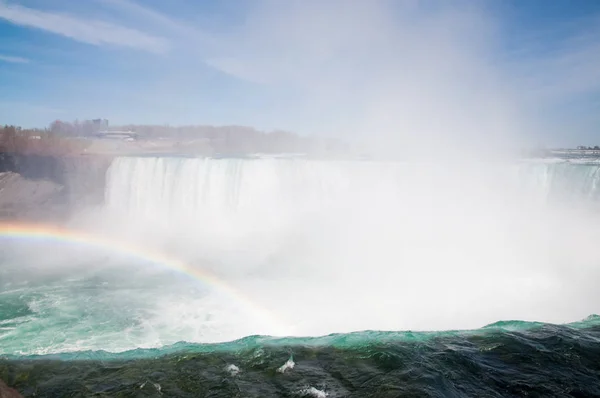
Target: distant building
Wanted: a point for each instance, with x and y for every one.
(95, 125)
(588, 148)
(102, 124)
(79, 128)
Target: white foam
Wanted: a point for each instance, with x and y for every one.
(117, 314)
(313, 392)
(232, 369)
(157, 386)
(288, 365)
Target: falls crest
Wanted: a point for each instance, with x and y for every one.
(222, 186)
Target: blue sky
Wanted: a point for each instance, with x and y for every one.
(526, 69)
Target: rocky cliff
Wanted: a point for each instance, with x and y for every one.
(44, 188)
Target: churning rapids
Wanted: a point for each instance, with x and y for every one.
(295, 247)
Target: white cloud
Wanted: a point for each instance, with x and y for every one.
(148, 15)
(426, 74)
(395, 73)
(84, 30)
(189, 38)
(13, 59)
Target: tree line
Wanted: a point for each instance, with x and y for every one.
(62, 138)
(14, 139)
(206, 139)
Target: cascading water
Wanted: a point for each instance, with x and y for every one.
(438, 246)
(172, 186)
(563, 180)
(320, 247)
(273, 188)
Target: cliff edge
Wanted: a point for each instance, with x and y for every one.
(38, 188)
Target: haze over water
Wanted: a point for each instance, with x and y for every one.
(339, 246)
(455, 234)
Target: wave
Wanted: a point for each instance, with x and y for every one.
(495, 361)
(354, 340)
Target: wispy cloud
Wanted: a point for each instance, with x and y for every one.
(148, 15)
(181, 32)
(13, 59)
(83, 30)
(424, 75)
(400, 74)
(418, 73)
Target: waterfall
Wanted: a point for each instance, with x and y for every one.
(193, 186)
(563, 180)
(438, 245)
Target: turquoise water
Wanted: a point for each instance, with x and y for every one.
(355, 340)
(102, 331)
(505, 359)
(61, 304)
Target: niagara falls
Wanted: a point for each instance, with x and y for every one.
(204, 256)
(303, 198)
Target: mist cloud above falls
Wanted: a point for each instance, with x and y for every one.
(391, 75)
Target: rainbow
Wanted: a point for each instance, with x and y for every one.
(44, 232)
